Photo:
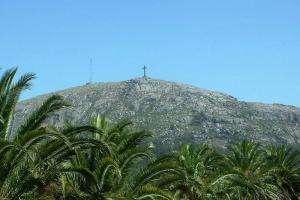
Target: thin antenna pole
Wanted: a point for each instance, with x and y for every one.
(91, 71)
(145, 71)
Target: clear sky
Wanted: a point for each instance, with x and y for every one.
(247, 48)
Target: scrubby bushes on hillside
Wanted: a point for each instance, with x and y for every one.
(103, 160)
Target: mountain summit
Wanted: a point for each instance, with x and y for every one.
(176, 113)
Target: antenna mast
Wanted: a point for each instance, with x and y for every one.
(145, 71)
(90, 71)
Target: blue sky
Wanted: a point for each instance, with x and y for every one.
(249, 49)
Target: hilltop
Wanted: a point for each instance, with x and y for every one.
(176, 113)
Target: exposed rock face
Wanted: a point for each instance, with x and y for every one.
(176, 113)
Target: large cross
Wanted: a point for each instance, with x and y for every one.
(145, 70)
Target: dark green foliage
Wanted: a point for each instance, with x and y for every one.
(109, 161)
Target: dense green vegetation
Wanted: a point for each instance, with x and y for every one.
(103, 160)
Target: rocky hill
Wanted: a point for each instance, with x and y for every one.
(176, 113)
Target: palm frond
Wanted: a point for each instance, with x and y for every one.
(35, 120)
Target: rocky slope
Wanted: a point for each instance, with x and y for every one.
(176, 113)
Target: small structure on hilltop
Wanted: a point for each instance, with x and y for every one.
(145, 71)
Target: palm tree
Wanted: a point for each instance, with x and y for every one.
(9, 96)
(284, 163)
(198, 167)
(116, 174)
(31, 153)
(247, 176)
